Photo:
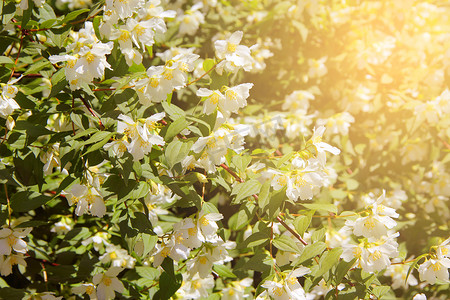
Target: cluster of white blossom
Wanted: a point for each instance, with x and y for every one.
(200, 234)
(85, 57)
(307, 171)
(163, 80)
(378, 244)
(87, 198)
(213, 148)
(287, 287)
(7, 102)
(158, 197)
(103, 286)
(138, 137)
(436, 266)
(12, 247)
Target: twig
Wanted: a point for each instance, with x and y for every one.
(206, 73)
(9, 205)
(292, 231)
(86, 104)
(224, 166)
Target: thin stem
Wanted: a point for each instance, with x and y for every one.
(291, 231)
(18, 53)
(86, 104)
(224, 166)
(206, 73)
(8, 204)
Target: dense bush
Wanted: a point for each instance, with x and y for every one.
(224, 149)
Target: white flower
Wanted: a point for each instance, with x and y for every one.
(6, 263)
(398, 273)
(124, 9)
(170, 248)
(7, 102)
(50, 158)
(206, 224)
(322, 146)
(92, 61)
(212, 99)
(191, 19)
(377, 223)
(140, 137)
(420, 297)
(233, 55)
(86, 288)
(434, 268)
(11, 239)
(196, 287)
(211, 254)
(63, 226)
(87, 199)
(443, 249)
(289, 288)
(118, 257)
(317, 67)
(107, 283)
(372, 255)
(298, 100)
(187, 233)
(237, 290)
(100, 239)
(235, 98)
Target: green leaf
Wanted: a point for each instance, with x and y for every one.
(342, 269)
(176, 151)
(168, 286)
(264, 195)
(301, 223)
(276, 203)
(73, 15)
(224, 271)
(218, 80)
(241, 162)
(286, 244)
(173, 111)
(142, 223)
(352, 184)
(58, 82)
(240, 219)
(379, 291)
(208, 64)
(311, 251)
(328, 260)
(257, 239)
(26, 201)
(98, 136)
(32, 129)
(176, 127)
(318, 235)
(147, 272)
(321, 206)
(149, 243)
(6, 60)
(245, 189)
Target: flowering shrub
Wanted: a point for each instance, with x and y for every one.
(155, 149)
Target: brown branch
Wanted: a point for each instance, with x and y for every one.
(206, 73)
(224, 166)
(86, 104)
(17, 74)
(292, 231)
